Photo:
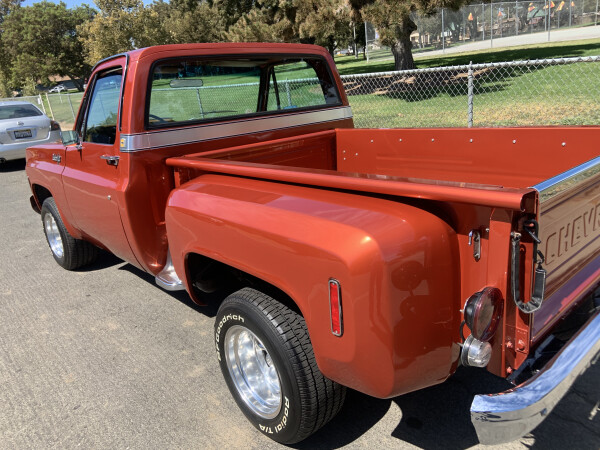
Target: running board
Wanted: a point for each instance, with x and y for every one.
(168, 279)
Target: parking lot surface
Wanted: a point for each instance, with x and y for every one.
(103, 358)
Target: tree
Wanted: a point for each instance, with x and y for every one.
(392, 18)
(124, 25)
(6, 6)
(41, 41)
(264, 21)
(190, 21)
(232, 10)
(324, 22)
(321, 22)
(121, 25)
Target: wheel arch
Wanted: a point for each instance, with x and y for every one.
(41, 193)
(199, 267)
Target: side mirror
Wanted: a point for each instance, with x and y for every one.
(69, 137)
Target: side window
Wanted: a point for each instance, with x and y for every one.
(295, 84)
(101, 119)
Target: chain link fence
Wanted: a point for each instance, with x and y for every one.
(209, 102)
(488, 21)
(34, 99)
(520, 93)
(63, 108)
(60, 107)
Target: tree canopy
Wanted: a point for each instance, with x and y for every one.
(40, 41)
(392, 18)
(46, 39)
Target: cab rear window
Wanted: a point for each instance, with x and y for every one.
(183, 91)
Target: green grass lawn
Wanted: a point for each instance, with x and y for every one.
(347, 65)
(541, 95)
(549, 95)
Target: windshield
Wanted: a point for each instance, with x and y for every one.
(18, 111)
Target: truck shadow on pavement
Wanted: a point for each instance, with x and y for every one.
(433, 418)
(104, 261)
(212, 303)
(16, 165)
(438, 417)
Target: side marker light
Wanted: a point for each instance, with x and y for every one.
(335, 307)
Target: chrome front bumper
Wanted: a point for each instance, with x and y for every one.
(509, 415)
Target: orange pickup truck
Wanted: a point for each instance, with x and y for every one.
(374, 259)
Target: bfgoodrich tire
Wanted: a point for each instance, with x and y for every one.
(68, 252)
(268, 363)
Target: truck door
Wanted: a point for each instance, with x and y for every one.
(93, 178)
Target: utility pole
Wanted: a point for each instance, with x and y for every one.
(482, 22)
(491, 24)
(443, 34)
(354, 33)
(366, 43)
(549, 17)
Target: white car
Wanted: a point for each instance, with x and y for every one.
(23, 125)
(58, 88)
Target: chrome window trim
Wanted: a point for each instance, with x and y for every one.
(131, 143)
(234, 56)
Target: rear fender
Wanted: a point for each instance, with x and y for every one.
(395, 263)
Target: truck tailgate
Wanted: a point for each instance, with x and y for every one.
(570, 232)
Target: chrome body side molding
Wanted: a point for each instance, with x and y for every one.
(208, 132)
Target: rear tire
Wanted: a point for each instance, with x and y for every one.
(68, 252)
(268, 363)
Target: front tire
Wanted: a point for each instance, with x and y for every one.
(268, 363)
(68, 252)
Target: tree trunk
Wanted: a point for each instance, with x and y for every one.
(331, 46)
(77, 82)
(402, 47)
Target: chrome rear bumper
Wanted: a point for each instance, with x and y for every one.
(509, 415)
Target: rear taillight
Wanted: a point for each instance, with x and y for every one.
(483, 312)
(54, 126)
(335, 305)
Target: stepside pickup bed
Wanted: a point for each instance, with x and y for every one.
(378, 260)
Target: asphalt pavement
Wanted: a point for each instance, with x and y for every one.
(103, 358)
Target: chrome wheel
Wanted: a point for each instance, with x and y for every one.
(53, 236)
(253, 372)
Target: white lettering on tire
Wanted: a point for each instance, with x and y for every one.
(223, 321)
(282, 423)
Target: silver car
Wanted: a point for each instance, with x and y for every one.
(23, 125)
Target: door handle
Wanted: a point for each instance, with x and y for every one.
(111, 160)
(56, 158)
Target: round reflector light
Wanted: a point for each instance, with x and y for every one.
(483, 312)
(475, 353)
